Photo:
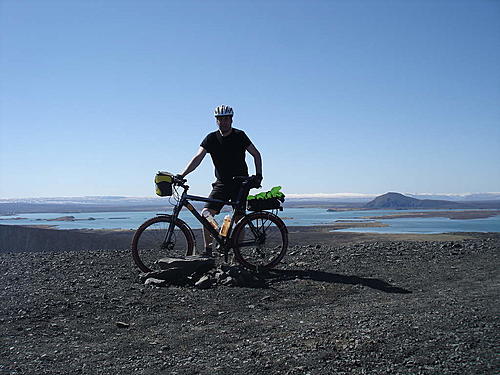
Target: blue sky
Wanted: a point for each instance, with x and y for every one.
(339, 96)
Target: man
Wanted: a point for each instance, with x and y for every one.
(227, 147)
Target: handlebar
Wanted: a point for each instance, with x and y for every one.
(252, 181)
(178, 181)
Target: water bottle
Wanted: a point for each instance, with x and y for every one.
(224, 229)
(210, 219)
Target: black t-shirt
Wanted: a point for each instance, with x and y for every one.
(228, 153)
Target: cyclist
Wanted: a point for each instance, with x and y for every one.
(227, 147)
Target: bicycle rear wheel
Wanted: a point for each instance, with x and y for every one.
(148, 244)
(260, 240)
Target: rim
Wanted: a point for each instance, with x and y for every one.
(260, 242)
(149, 246)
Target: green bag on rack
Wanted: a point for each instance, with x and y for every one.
(269, 200)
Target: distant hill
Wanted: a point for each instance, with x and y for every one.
(399, 201)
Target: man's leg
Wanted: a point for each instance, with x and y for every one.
(235, 195)
(218, 192)
(207, 237)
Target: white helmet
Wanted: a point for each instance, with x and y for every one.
(223, 110)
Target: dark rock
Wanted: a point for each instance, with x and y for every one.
(229, 281)
(155, 282)
(189, 264)
(238, 276)
(179, 271)
(174, 275)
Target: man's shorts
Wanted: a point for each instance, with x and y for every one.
(225, 191)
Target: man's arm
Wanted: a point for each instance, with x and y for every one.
(256, 158)
(193, 164)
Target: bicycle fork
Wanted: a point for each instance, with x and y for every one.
(168, 244)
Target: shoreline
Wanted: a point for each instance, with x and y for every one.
(453, 215)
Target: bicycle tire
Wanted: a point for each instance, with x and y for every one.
(148, 247)
(262, 246)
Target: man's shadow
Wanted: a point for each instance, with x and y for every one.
(276, 276)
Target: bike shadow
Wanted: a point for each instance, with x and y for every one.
(277, 276)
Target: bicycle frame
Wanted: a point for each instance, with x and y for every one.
(184, 202)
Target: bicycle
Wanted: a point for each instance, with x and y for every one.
(259, 239)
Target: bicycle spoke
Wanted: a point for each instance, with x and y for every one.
(149, 244)
(261, 241)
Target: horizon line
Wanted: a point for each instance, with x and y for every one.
(289, 195)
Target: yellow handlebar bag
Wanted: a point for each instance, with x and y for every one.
(163, 182)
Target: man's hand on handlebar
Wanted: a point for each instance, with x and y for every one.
(257, 181)
(180, 178)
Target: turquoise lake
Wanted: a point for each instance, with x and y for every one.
(291, 216)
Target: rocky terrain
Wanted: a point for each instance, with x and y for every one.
(339, 304)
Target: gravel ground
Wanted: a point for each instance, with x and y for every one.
(379, 306)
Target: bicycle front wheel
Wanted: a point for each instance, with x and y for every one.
(149, 245)
(260, 240)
